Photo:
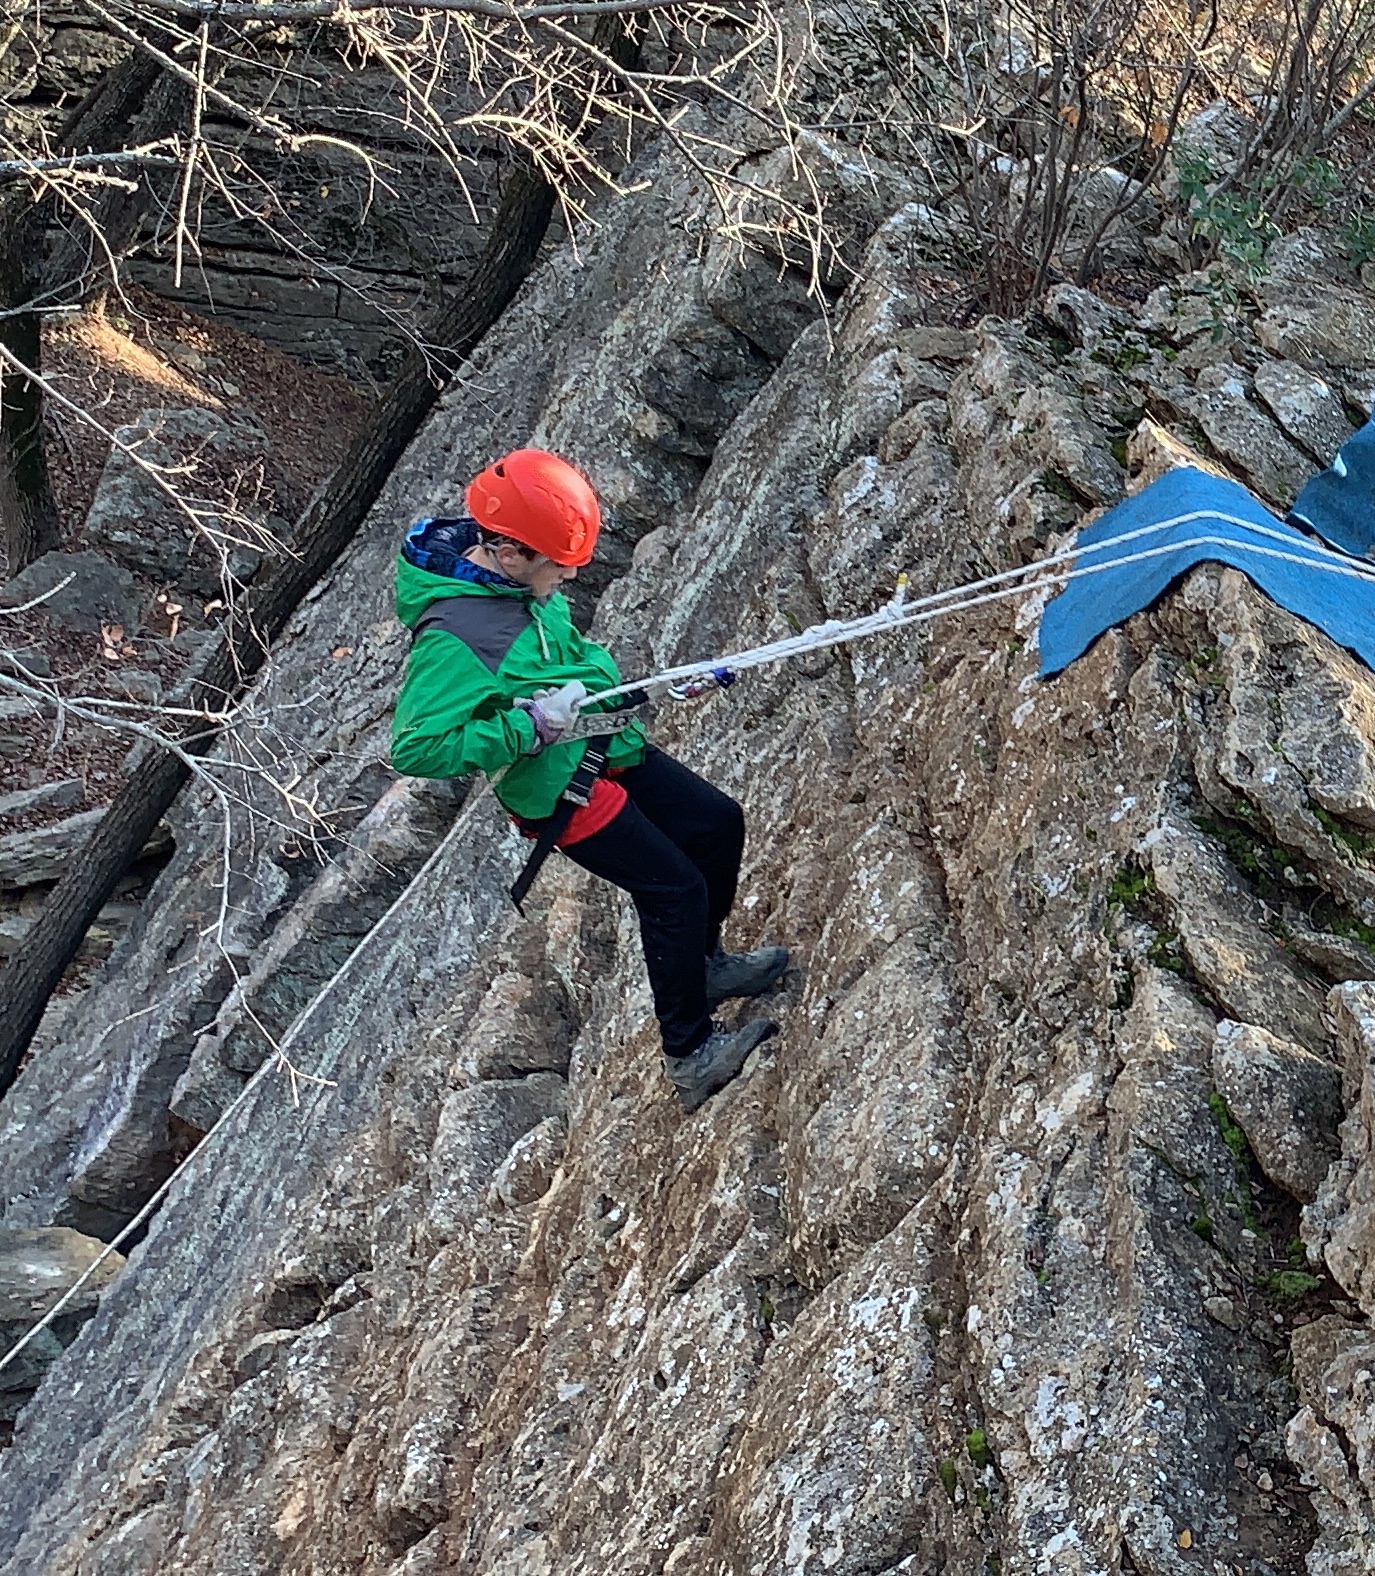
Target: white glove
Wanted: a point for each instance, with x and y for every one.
(553, 711)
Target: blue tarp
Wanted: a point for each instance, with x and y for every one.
(1342, 605)
(1339, 503)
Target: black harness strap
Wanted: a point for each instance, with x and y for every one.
(577, 793)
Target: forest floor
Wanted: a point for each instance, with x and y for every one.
(138, 360)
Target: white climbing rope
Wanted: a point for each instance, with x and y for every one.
(900, 613)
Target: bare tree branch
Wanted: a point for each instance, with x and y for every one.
(164, 151)
(345, 11)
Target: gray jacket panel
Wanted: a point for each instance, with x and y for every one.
(488, 625)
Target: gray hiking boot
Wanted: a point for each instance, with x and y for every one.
(743, 973)
(715, 1061)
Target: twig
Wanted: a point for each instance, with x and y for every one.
(192, 156)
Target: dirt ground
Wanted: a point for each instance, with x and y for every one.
(142, 354)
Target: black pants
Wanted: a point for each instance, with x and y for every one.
(675, 848)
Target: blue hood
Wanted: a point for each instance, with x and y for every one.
(437, 546)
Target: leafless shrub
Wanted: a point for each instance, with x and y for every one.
(1047, 128)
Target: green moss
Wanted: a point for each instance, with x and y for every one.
(1232, 1135)
(1042, 1276)
(976, 1444)
(1053, 482)
(1123, 357)
(1354, 930)
(981, 1498)
(1235, 1139)
(766, 1309)
(1288, 1287)
(949, 1478)
(1130, 888)
(1297, 1253)
(1202, 1226)
(1119, 451)
(1360, 845)
(1164, 952)
(1261, 862)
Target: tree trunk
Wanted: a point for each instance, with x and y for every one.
(78, 265)
(242, 643)
(29, 523)
(28, 511)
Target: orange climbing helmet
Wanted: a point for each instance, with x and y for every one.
(541, 501)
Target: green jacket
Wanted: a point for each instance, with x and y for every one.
(482, 645)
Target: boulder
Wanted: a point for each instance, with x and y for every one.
(1288, 1102)
(1247, 437)
(1309, 409)
(133, 520)
(1338, 958)
(79, 591)
(60, 795)
(36, 1268)
(29, 858)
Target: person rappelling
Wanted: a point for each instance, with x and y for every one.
(496, 683)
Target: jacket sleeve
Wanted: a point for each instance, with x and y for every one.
(601, 670)
(452, 718)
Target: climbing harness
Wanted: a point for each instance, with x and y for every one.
(599, 728)
(552, 827)
(695, 678)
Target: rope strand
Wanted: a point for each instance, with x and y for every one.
(901, 614)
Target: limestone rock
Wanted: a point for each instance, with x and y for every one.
(1114, 214)
(59, 795)
(1249, 439)
(1333, 328)
(1221, 929)
(36, 1269)
(31, 857)
(1288, 1103)
(1330, 1439)
(770, 305)
(1308, 409)
(96, 591)
(1090, 322)
(1339, 958)
(858, 193)
(1337, 1224)
(136, 523)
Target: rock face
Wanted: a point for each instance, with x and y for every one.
(968, 1272)
(342, 253)
(1287, 1100)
